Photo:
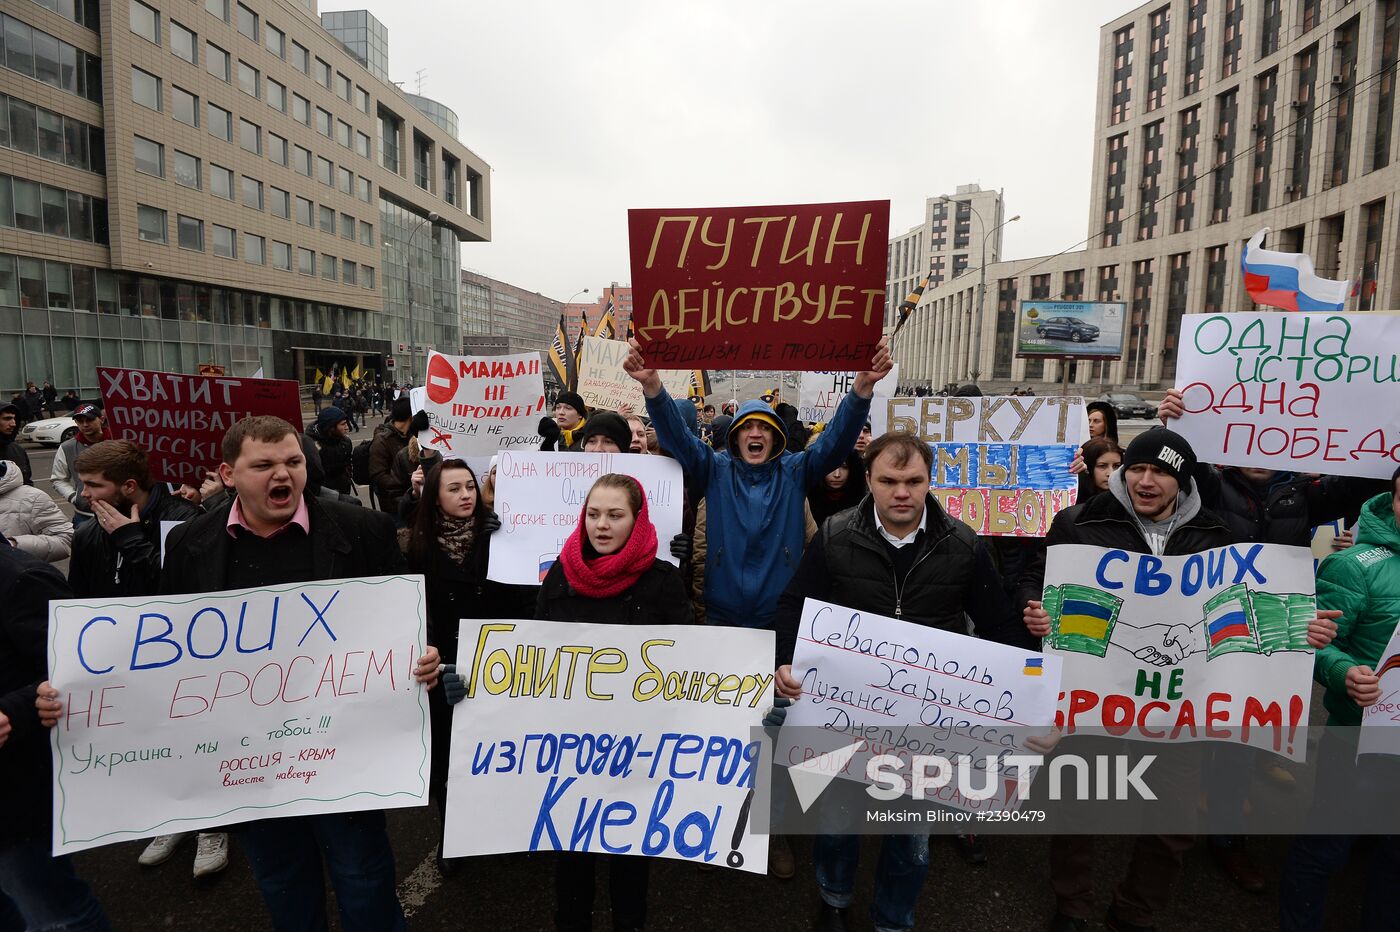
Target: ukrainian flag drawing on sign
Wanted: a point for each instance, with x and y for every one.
(1085, 620)
(1230, 624)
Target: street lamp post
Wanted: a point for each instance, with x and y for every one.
(412, 343)
(974, 350)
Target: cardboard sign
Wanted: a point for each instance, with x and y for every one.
(1294, 392)
(603, 383)
(180, 420)
(477, 405)
(1380, 722)
(609, 738)
(821, 392)
(195, 711)
(539, 497)
(794, 287)
(1000, 463)
(897, 686)
(1207, 647)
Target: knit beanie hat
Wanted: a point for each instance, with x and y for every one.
(401, 410)
(328, 418)
(1165, 449)
(611, 425)
(575, 401)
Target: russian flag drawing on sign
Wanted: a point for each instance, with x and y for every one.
(1286, 280)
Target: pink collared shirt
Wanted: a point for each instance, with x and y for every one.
(302, 519)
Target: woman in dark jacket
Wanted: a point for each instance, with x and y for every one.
(1102, 456)
(449, 545)
(838, 490)
(608, 573)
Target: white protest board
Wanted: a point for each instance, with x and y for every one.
(1207, 647)
(603, 383)
(611, 738)
(1000, 463)
(478, 405)
(1380, 722)
(194, 711)
(1297, 392)
(906, 689)
(539, 497)
(821, 392)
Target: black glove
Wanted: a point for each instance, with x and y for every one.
(492, 524)
(681, 547)
(549, 430)
(454, 684)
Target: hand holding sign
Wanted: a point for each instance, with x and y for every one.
(882, 363)
(635, 366)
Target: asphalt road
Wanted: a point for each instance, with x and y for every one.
(515, 892)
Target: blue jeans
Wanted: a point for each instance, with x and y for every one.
(898, 878)
(43, 894)
(1343, 784)
(286, 854)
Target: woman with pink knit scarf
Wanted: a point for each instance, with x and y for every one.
(608, 573)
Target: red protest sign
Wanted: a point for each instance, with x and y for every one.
(180, 419)
(798, 287)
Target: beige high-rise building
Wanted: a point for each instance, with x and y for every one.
(228, 181)
(1213, 120)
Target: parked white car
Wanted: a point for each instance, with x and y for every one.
(50, 431)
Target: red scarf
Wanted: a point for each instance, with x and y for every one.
(601, 577)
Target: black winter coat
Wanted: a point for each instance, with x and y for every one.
(26, 586)
(463, 591)
(346, 542)
(336, 453)
(657, 598)
(1286, 511)
(126, 562)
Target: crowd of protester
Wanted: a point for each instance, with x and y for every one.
(775, 511)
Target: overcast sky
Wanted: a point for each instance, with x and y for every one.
(584, 110)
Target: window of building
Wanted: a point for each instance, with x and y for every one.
(150, 157)
(250, 136)
(364, 189)
(1305, 66)
(367, 276)
(218, 7)
(1187, 155)
(362, 99)
(347, 272)
(1223, 176)
(1195, 46)
(342, 87)
(276, 40)
(281, 256)
(1216, 269)
(1271, 21)
(451, 171)
(366, 234)
(187, 171)
(184, 106)
(216, 61)
(145, 88)
(279, 203)
(1160, 25)
(305, 209)
(1150, 188)
(1344, 101)
(248, 79)
(223, 241)
(1385, 98)
(49, 60)
(327, 219)
(1312, 10)
(347, 227)
(276, 149)
(422, 162)
(1265, 97)
(323, 122)
(323, 74)
(276, 95)
(247, 22)
(150, 224)
(184, 43)
(145, 22)
(301, 58)
(1115, 182)
(301, 109)
(301, 160)
(252, 193)
(390, 131)
(253, 249)
(191, 232)
(1121, 98)
(330, 265)
(345, 181)
(221, 181)
(306, 261)
(1232, 38)
(342, 133)
(362, 144)
(325, 171)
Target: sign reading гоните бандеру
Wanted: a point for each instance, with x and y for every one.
(794, 287)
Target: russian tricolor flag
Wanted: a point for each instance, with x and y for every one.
(1286, 280)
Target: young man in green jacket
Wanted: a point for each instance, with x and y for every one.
(1363, 583)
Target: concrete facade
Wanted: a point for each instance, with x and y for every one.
(262, 198)
(1212, 121)
(495, 309)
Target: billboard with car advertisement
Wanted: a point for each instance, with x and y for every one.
(1066, 329)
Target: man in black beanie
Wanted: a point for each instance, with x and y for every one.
(389, 438)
